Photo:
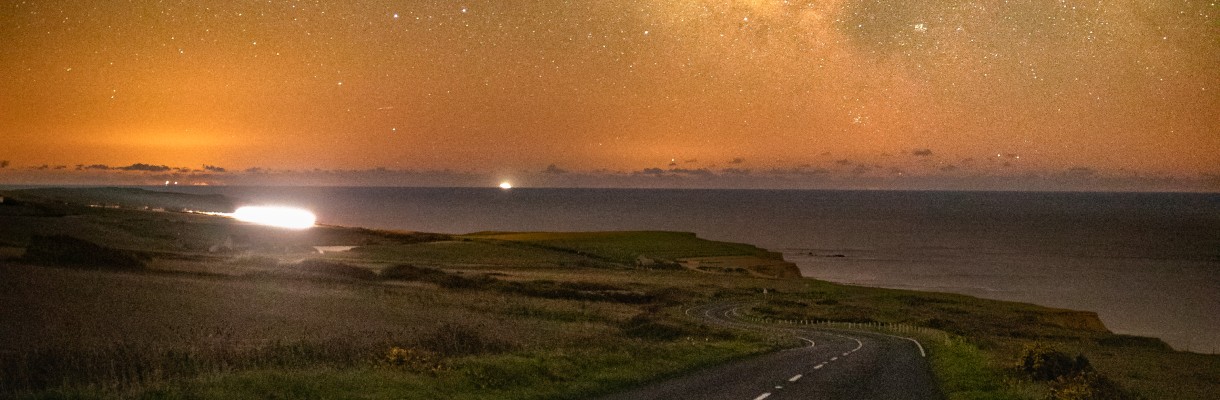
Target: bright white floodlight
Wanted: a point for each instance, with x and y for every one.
(281, 217)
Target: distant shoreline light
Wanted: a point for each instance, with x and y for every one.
(506, 185)
(281, 217)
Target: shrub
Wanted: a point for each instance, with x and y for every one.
(328, 268)
(1087, 386)
(1044, 363)
(415, 360)
(645, 326)
(63, 250)
(509, 371)
(461, 340)
(407, 272)
(583, 291)
(255, 262)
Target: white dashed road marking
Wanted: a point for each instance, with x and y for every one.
(763, 396)
(795, 378)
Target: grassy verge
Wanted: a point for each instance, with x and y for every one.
(966, 373)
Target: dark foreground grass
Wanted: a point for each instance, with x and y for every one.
(564, 373)
(95, 334)
(558, 374)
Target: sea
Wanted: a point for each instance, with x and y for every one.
(1147, 263)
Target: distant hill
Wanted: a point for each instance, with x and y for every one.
(131, 198)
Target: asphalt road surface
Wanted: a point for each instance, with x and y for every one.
(832, 364)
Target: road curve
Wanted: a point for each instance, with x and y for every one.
(831, 364)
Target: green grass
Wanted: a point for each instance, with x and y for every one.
(467, 254)
(965, 373)
(626, 247)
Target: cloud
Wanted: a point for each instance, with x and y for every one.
(848, 175)
(737, 160)
(922, 152)
(803, 170)
(144, 168)
(213, 168)
(3, 163)
(675, 172)
(691, 161)
(696, 172)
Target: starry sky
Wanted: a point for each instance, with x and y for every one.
(732, 93)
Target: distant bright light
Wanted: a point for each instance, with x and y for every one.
(282, 217)
(506, 185)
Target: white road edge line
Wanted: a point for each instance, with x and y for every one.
(921, 352)
(763, 396)
(795, 378)
(811, 343)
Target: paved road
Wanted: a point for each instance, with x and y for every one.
(832, 365)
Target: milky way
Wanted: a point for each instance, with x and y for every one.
(858, 88)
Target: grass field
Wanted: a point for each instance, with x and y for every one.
(220, 309)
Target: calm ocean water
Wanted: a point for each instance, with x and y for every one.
(1148, 264)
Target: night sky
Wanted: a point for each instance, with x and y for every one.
(614, 93)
